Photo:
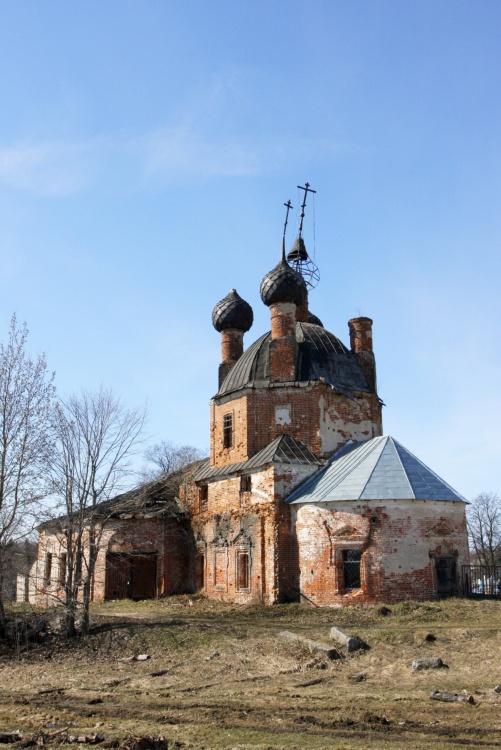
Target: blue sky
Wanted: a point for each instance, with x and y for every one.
(146, 151)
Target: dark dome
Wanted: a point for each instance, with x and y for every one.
(298, 251)
(232, 312)
(283, 284)
(321, 356)
(313, 319)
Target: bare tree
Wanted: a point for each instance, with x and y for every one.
(26, 401)
(96, 438)
(168, 457)
(484, 528)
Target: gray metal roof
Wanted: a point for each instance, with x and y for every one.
(281, 450)
(377, 469)
(321, 356)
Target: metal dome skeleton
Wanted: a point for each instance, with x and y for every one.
(298, 257)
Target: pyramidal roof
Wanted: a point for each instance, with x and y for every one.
(377, 469)
(282, 450)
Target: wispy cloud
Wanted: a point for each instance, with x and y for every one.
(207, 136)
(47, 169)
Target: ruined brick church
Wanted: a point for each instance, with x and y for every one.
(302, 498)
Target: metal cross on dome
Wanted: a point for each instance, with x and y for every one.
(298, 258)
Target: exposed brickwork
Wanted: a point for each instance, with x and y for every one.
(361, 344)
(283, 344)
(320, 417)
(232, 347)
(170, 540)
(398, 543)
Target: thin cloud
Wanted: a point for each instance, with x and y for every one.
(47, 169)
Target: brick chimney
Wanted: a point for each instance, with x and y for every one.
(283, 344)
(283, 290)
(232, 347)
(361, 346)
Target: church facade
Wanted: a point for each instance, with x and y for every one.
(302, 497)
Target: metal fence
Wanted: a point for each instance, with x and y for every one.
(481, 580)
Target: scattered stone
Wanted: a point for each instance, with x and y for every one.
(312, 646)
(351, 642)
(430, 638)
(160, 673)
(359, 677)
(384, 611)
(139, 657)
(497, 689)
(430, 662)
(436, 695)
(212, 656)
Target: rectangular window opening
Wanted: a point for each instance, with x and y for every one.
(245, 484)
(48, 568)
(203, 496)
(243, 571)
(351, 568)
(62, 569)
(228, 430)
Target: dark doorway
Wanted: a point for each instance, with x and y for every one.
(131, 576)
(446, 576)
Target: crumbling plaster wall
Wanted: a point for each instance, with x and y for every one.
(399, 541)
(230, 522)
(314, 413)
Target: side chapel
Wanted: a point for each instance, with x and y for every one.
(303, 497)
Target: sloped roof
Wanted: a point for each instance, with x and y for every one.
(376, 469)
(281, 450)
(321, 356)
(158, 498)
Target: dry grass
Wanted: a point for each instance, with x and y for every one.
(230, 682)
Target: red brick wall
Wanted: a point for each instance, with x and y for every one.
(398, 541)
(170, 539)
(318, 416)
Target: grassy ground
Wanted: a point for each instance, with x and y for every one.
(228, 681)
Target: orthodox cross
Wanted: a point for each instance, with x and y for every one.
(307, 190)
(288, 206)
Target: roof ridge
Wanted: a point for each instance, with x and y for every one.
(427, 468)
(378, 438)
(358, 457)
(394, 443)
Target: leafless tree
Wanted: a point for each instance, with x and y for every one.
(484, 528)
(96, 439)
(26, 401)
(168, 457)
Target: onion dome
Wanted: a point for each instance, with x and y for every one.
(283, 284)
(298, 251)
(232, 312)
(313, 319)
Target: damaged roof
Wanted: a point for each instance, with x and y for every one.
(158, 498)
(321, 356)
(282, 450)
(376, 469)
